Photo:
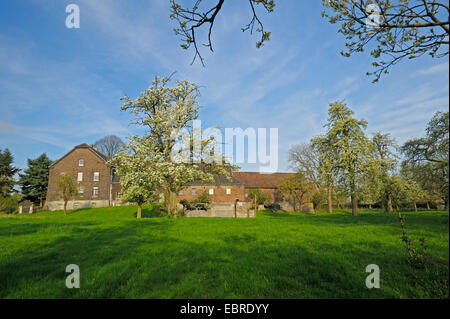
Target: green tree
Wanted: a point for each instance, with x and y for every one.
(370, 186)
(387, 160)
(297, 188)
(177, 153)
(351, 150)
(327, 166)
(192, 19)
(34, 180)
(431, 153)
(434, 147)
(7, 172)
(134, 164)
(257, 196)
(67, 188)
(393, 30)
(340, 195)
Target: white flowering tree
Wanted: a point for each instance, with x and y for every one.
(138, 181)
(154, 162)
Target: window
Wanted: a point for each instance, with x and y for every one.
(96, 176)
(193, 191)
(228, 191)
(95, 192)
(180, 192)
(81, 162)
(211, 191)
(81, 191)
(80, 177)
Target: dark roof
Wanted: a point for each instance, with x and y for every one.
(84, 145)
(261, 180)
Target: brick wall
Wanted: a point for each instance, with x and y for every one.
(69, 165)
(220, 193)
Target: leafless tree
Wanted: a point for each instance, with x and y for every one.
(109, 145)
(191, 20)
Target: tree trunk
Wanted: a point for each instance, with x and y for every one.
(415, 207)
(65, 206)
(354, 204)
(428, 206)
(446, 204)
(330, 199)
(172, 204)
(139, 212)
(389, 204)
(370, 206)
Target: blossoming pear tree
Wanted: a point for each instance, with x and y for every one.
(170, 153)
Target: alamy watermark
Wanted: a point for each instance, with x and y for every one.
(210, 145)
(73, 17)
(374, 18)
(73, 280)
(373, 280)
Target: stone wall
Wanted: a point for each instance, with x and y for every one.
(76, 204)
(243, 210)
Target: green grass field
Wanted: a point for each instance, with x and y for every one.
(276, 255)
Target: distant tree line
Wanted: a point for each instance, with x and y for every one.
(344, 163)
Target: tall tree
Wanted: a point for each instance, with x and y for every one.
(304, 158)
(387, 159)
(192, 19)
(352, 150)
(434, 147)
(67, 187)
(109, 145)
(297, 188)
(328, 168)
(134, 164)
(394, 30)
(431, 154)
(7, 172)
(34, 180)
(167, 113)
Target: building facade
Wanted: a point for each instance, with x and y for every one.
(98, 186)
(96, 183)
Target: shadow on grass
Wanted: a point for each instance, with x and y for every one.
(157, 258)
(440, 219)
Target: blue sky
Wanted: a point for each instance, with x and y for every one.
(61, 87)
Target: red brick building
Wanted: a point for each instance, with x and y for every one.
(98, 186)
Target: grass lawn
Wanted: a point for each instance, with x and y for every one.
(276, 255)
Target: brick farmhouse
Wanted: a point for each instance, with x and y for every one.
(98, 186)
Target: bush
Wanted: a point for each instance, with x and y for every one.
(257, 193)
(10, 205)
(274, 206)
(203, 198)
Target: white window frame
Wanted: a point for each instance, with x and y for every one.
(193, 191)
(211, 191)
(98, 176)
(228, 191)
(81, 162)
(81, 191)
(80, 177)
(93, 192)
